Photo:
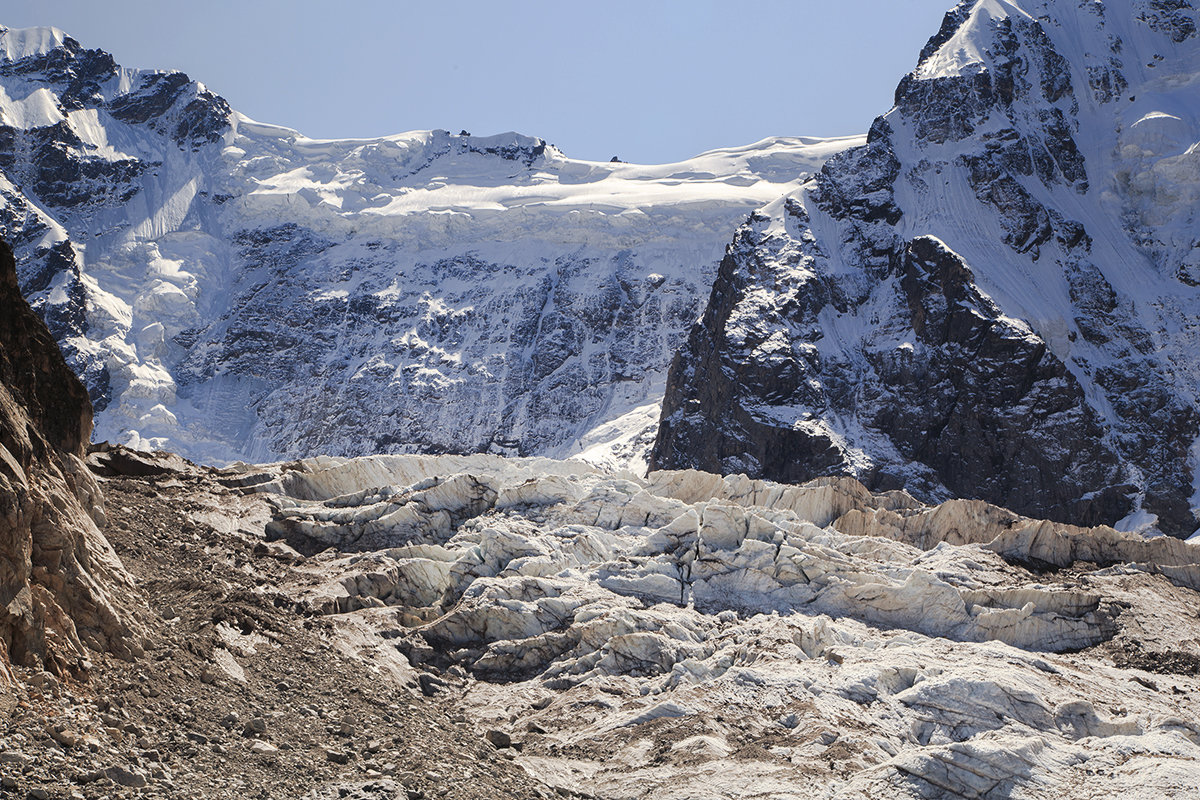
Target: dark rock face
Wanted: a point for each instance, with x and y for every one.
(927, 314)
(61, 586)
(989, 402)
(52, 163)
(35, 372)
(173, 104)
(524, 154)
(1176, 18)
(975, 405)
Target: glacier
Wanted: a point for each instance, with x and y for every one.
(230, 289)
(692, 635)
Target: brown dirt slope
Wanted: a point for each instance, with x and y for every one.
(240, 693)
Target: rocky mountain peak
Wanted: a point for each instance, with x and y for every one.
(64, 76)
(1038, 355)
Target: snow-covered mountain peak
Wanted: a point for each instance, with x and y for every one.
(967, 36)
(234, 289)
(48, 78)
(1051, 146)
(18, 43)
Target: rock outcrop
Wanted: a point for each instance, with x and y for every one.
(62, 588)
(994, 297)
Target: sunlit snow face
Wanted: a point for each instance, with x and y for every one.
(491, 293)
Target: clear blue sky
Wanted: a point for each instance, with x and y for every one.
(647, 81)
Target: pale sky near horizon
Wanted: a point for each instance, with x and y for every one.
(649, 81)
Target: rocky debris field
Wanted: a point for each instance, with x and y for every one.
(239, 693)
(475, 626)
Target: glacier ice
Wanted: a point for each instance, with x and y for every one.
(697, 635)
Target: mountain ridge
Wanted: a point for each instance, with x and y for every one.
(194, 262)
(1036, 352)
(234, 290)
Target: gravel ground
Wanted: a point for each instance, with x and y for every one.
(240, 693)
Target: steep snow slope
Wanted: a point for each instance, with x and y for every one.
(995, 297)
(230, 289)
(687, 635)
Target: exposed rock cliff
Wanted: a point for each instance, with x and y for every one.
(61, 585)
(994, 297)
